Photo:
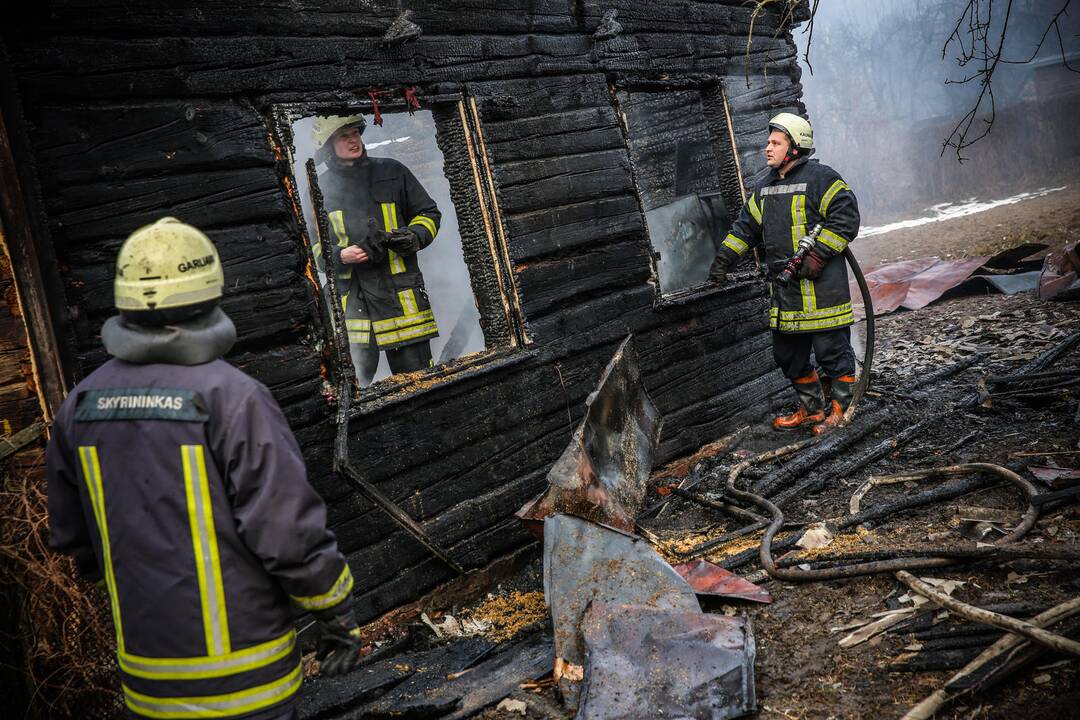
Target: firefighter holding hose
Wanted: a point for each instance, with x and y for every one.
(805, 215)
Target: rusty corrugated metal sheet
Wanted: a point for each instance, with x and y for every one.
(913, 284)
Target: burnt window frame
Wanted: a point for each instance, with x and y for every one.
(719, 122)
(459, 136)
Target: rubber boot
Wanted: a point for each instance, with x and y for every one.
(811, 404)
(842, 389)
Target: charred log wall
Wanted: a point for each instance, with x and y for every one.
(139, 110)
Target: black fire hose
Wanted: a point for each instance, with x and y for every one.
(868, 341)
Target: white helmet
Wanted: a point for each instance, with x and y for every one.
(798, 130)
(325, 126)
(167, 265)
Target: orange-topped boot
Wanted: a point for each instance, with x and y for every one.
(842, 389)
(811, 404)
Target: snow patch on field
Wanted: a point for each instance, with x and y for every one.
(949, 211)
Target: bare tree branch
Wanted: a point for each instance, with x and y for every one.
(978, 16)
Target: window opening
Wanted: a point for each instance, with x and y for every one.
(686, 176)
(408, 209)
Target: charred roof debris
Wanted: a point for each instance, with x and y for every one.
(568, 503)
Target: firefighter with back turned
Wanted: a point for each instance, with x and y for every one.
(175, 482)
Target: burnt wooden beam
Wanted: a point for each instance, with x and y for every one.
(124, 141)
(205, 199)
(19, 244)
(308, 18)
(564, 228)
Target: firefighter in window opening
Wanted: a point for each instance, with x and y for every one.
(814, 311)
(381, 217)
(175, 482)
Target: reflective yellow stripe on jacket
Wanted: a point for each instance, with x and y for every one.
(337, 592)
(831, 239)
(821, 319)
(216, 706)
(204, 541)
(337, 222)
(798, 231)
(755, 209)
(736, 244)
(201, 668)
(425, 222)
(91, 467)
(837, 186)
(390, 223)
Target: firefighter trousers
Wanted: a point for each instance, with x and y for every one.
(365, 357)
(832, 349)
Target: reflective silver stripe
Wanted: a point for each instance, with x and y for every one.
(407, 298)
(816, 314)
(836, 242)
(403, 321)
(208, 667)
(407, 334)
(204, 539)
(238, 703)
(735, 244)
(783, 189)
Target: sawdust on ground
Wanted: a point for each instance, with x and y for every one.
(510, 614)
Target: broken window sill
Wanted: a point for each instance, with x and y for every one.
(406, 386)
(705, 291)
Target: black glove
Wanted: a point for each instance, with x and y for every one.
(719, 269)
(339, 645)
(375, 243)
(812, 266)
(404, 241)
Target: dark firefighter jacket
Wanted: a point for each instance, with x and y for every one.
(183, 488)
(779, 213)
(384, 298)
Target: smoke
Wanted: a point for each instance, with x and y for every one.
(410, 139)
(883, 99)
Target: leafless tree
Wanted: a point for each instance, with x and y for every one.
(979, 43)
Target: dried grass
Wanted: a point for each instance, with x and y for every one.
(64, 624)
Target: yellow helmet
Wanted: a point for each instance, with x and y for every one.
(168, 264)
(797, 128)
(325, 126)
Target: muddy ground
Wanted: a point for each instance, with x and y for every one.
(801, 671)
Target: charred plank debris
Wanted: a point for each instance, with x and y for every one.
(577, 510)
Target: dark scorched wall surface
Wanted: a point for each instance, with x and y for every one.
(137, 110)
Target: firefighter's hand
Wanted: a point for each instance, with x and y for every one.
(404, 241)
(354, 255)
(719, 269)
(339, 645)
(812, 266)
